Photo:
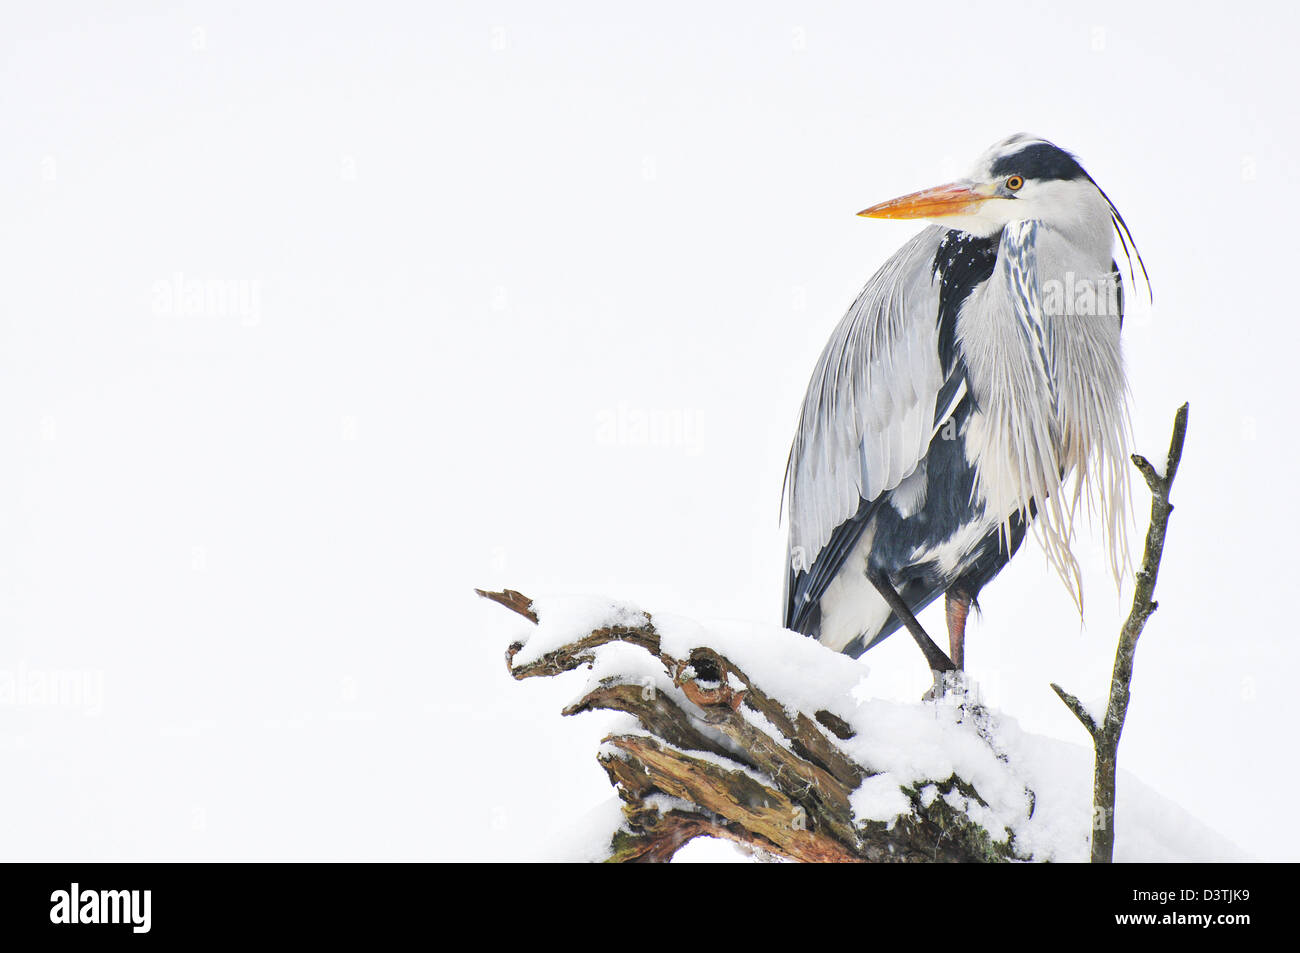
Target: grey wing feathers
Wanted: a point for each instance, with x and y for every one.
(869, 413)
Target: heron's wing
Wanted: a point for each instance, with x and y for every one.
(875, 398)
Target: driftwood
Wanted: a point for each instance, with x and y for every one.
(1105, 736)
(699, 766)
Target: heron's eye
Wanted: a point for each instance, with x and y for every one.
(1014, 183)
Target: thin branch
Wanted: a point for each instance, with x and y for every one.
(1076, 706)
(516, 602)
(1105, 737)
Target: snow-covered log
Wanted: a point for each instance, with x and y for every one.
(778, 762)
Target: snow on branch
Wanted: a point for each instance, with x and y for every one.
(757, 760)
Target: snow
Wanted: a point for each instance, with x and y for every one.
(879, 798)
(761, 722)
(711, 850)
(586, 839)
(566, 615)
(906, 746)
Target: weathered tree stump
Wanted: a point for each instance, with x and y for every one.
(702, 766)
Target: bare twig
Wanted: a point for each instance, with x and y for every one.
(514, 601)
(1105, 737)
(1076, 706)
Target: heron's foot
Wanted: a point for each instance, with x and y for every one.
(957, 692)
(951, 687)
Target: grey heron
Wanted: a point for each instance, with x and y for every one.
(974, 390)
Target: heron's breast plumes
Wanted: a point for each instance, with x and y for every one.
(1051, 433)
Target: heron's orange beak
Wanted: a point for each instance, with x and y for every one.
(942, 201)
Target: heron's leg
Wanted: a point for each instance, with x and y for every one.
(957, 606)
(933, 654)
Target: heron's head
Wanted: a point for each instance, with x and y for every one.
(1018, 179)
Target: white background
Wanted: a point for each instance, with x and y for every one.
(477, 245)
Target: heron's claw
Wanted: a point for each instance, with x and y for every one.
(937, 690)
